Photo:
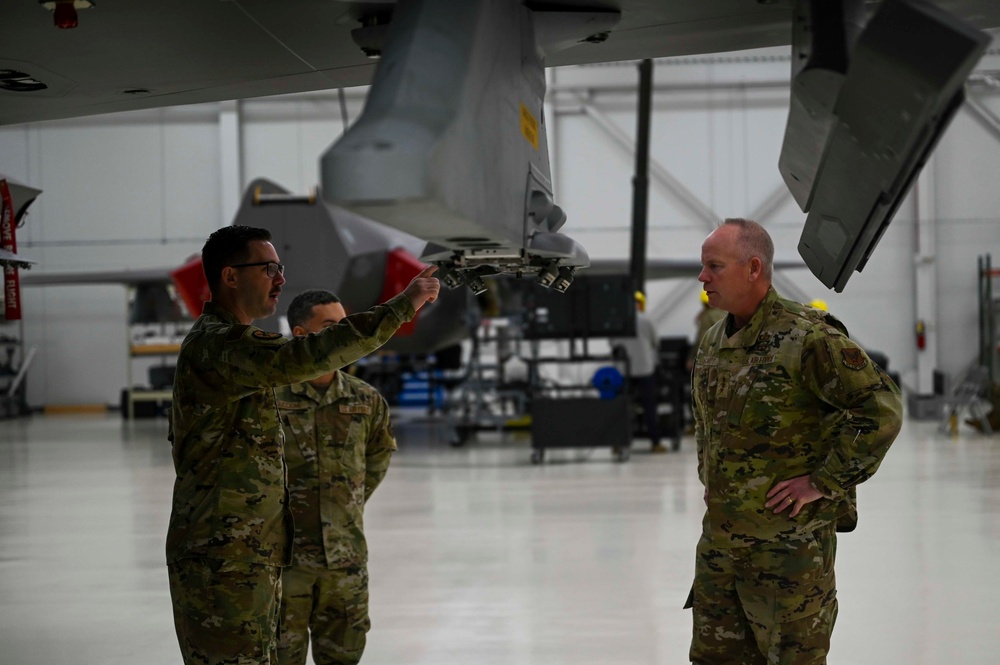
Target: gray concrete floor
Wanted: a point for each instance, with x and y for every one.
(479, 557)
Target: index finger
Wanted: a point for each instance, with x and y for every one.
(777, 488)
(428, 271)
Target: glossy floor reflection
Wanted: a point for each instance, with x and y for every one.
(479, 557)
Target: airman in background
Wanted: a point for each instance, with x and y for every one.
(790, 416)
(706, 318)
(338, 443)
(643, 358)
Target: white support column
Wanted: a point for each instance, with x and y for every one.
(230, 161)
(925, 272)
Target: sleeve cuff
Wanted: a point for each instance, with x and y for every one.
(402, 307)
(824, 484)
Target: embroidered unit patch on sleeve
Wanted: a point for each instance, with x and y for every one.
(854, 359)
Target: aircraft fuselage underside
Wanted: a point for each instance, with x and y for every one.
(452, 146)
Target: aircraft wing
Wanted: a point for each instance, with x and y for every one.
(153, 301)
(124, 56)
(90, 277)
(8, 258)
(667, 268)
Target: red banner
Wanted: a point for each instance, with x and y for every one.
(8, 241)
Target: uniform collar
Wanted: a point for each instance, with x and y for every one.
(333, 392)
(212, 309)
(747, 336)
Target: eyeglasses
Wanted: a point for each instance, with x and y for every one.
(272, 267)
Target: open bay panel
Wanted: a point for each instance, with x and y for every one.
(892, 95)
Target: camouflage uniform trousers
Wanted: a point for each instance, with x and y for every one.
(774, 603)
(225, 612)
(333, 606)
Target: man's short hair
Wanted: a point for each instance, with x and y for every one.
(228, 246)
(754, 240)
(300, 309)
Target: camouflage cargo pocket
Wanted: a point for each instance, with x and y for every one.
(787, 580)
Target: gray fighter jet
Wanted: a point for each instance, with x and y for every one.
(451, 146)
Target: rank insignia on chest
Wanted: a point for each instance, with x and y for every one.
(263, 334)
(355, 408)
(854, 358)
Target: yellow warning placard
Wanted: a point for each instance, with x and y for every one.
(529, 126)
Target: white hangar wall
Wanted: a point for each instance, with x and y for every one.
(122, 191)
(716, 134)
(144, 189)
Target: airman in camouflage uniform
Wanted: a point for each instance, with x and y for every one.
(790, 416)
(338, 445)
(707, 317)
(230, 531)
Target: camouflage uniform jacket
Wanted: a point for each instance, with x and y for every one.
(706, 318)
(229, 496)
(786, 396)
(337, 449)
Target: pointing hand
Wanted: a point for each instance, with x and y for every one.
(423, 288)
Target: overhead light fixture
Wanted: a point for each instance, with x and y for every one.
(64, 11)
